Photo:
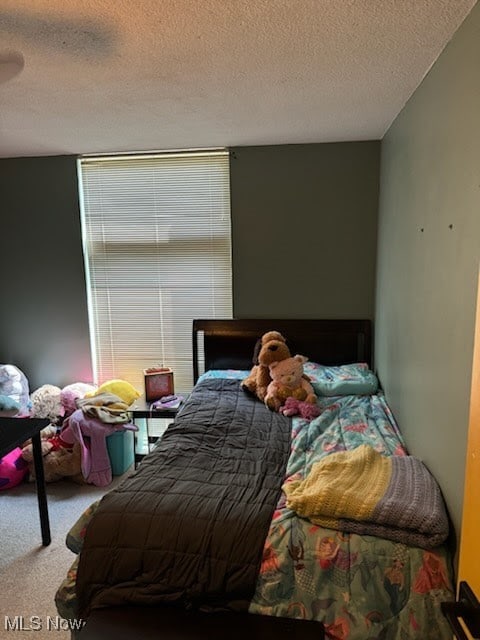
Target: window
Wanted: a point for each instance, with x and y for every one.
(156, 235)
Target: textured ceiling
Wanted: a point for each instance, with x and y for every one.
(131, 75)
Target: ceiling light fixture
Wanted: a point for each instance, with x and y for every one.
(11, 64)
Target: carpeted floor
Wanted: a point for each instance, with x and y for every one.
(30, 573)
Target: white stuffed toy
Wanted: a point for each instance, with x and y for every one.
(46, 403)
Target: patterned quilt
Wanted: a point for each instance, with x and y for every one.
(361, 587)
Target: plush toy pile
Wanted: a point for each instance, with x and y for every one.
(60, 458)
(278, 379)
(81, 417)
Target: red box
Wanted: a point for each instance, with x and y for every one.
(158, 383)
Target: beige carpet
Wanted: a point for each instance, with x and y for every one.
(30, 573)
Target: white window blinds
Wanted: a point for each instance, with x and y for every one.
(156, 231)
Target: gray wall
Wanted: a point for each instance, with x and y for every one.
(428, 259)
(316, 204)
(43, 323)
(304, 220)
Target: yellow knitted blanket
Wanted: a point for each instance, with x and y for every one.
(347, 484)
(364, 492)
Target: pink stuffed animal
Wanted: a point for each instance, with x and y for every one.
(306, 410)
(73, 392)
(288, 381)
(13, 469)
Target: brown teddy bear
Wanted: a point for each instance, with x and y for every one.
(271, 347)
(288, 381)
(59, 461)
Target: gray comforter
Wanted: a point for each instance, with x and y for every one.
(188, 527)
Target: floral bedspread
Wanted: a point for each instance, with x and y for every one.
(360, 587)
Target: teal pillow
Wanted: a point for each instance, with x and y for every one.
(343, 380)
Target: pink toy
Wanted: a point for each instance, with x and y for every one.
(288, 381)
(13, 469)
(306, 410)
(71, 393)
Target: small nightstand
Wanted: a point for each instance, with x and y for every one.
(142, 409)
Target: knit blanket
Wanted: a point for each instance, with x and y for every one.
(361, 491)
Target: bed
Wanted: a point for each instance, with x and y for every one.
(216, 519)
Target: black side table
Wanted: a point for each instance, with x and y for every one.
(14, 431)
(143, 409)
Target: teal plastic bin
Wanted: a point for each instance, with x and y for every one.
(120, 449)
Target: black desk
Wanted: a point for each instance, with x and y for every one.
(14, 431)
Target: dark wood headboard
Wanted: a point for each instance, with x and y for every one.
(229, 344)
